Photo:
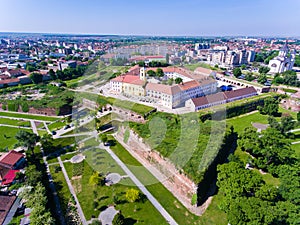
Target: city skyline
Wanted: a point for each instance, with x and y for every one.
(166, 18)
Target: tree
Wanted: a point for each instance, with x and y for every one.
(298, 116)
(159, 72)
(151, 73)
(36, 199)
(96, 179)
(96, 222)
(36, 78)
(33, 176)
(118, 219)
(237, 72)
(104, 138)
(263, 70)
(243, 66)
(52, 74)
(132, 195)
(27, 139)
(178, 80)
(287, 124)
(270, 107)
(273, 123)
(170, 81)
(262, 78)
(30, 68)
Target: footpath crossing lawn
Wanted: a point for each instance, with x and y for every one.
(94, 199)
(213, 215)
(28, 116)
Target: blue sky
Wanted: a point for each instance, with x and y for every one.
(152, 17)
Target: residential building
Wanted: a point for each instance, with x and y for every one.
(192, 86)
(195, 104)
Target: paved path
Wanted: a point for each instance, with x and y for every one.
(13, 126)
(151, 198)
(46, 126)
(296, 142)
(34, 129)
(295, 130)
(80, 212)
(12, 211)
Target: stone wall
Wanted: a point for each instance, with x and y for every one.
(177, 183)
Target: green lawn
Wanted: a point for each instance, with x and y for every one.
(15, 122)
(243, 121)
(56, 125)
(296, 147)
(54, 160)
(7, 136)
(28, 116)
(42, 132)
(102, 162)
(68, 156)
(182, 216)
(194, 66)
(94, 199)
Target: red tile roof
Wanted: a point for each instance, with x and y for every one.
(189, 85)
(130, 79)
(9, 177)
(11, 158)
(170, 90)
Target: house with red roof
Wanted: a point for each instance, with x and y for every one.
(135, 83)
(9, 165)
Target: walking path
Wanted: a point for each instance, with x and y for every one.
(13, 126)
(151, 198)
(79, 209)
(34, 129)
(46, 126)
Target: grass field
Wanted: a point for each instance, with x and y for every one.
(194, 66)
(28, 116)
(296, 147)
(102, 162)
(7, 136)
(15, 122)
(243, 121)
(68, 156)
(94, 199)
(56, 125)
(182, 216)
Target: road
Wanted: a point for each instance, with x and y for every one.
(79, 209)
(143, 189)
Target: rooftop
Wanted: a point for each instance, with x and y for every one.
(11, 158)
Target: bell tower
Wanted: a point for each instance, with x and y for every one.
(143, 74)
